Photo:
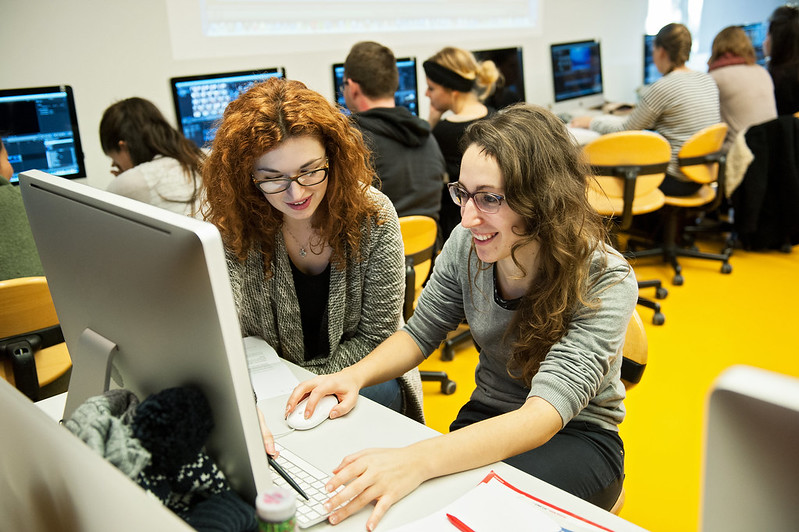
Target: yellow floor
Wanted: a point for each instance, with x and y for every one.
(712, 321)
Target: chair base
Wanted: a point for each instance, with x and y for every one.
(448, 386)
(660, 293)
(448, 346)
(670, 251)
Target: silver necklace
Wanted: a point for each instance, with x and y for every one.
(303, 252)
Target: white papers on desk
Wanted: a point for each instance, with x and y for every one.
(494, 504)
(270, 377)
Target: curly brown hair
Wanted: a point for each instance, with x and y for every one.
(545, 183)
(257, 122)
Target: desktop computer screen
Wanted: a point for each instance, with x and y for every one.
(577, 74)
(200, 100)
(407, 94)
(39, 128)
(757, 34)
(510, 63)
(144, 300)
(651, 72)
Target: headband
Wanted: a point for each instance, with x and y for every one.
(446, 77)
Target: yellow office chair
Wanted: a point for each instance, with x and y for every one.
(419, 237)
(701, 160)
(635, 356)
(629, 166)
(31, 343)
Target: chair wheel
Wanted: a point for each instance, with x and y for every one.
(678, 280)
(786, 248)
(726, 268)
(448, 387)
(658, 318)
(661, 293)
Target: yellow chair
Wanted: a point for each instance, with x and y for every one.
(31, 343)
(419, 237)
(702, 161)
(629, 166)
(635, 357)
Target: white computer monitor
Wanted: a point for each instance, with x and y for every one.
(751, 463)
(144, 300)
(577, 75)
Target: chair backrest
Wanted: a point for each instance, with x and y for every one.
(701, 156)
(26, 307)
(628, 167)
(419, 238)
(635, 352)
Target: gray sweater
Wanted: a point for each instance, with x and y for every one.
(580, 375)
(364, 302)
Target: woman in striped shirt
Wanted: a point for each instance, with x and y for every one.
(677, 105)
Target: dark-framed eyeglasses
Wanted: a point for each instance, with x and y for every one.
(273, 185)
(343, 85)
(486, 202)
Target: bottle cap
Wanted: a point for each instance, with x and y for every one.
(276, 504)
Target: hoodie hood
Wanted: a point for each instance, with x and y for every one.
(396, 123)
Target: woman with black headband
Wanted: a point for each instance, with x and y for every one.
(457, 85)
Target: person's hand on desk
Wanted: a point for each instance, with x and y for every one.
(583, 122)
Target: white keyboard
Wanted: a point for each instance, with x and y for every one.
(312, 481)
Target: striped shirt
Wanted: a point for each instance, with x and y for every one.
(677, 105)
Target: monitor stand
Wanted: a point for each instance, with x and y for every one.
(94, 358)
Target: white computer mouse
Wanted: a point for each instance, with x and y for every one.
(296, 419)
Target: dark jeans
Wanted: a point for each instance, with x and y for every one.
(671, 186)
(583, 459)
(386, 393)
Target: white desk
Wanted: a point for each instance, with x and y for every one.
(372, 425)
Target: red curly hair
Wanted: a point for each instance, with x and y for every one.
(257, 122)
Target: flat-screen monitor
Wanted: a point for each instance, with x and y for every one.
(145, 303)
(39, 128)
(757, 34)
(651, 72)
(577, 75)
(200, 100)
(407, 94)
(510, 63)
(750, 465)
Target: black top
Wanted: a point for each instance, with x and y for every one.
(786, 87)
(312, 295)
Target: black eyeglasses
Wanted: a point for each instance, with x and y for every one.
(310, 178)
(343, 84)
(486, 202)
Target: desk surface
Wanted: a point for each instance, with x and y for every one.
(372, 425)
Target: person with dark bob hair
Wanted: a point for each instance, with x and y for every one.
(152, 161)
(677, 105)
(782, 47)
(547, 301)
(314, 251)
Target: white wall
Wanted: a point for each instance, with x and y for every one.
(110, 49)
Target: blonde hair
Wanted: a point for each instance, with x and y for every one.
(485, 73)
(732, 40)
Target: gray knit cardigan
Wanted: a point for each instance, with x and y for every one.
(364, 302)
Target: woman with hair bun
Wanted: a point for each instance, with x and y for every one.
(456, 85)
(677, 105)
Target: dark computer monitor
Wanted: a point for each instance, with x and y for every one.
(145, 303)
(39, 127)
(200, 100)
(510, 63)
(577, 75)
(651, 72)
(407, 94)
(757, 34)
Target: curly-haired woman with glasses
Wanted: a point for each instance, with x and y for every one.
(547, 301)
(315, 253)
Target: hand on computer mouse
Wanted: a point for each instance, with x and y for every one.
(300, 419)
(583, 122)
(340, 384)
